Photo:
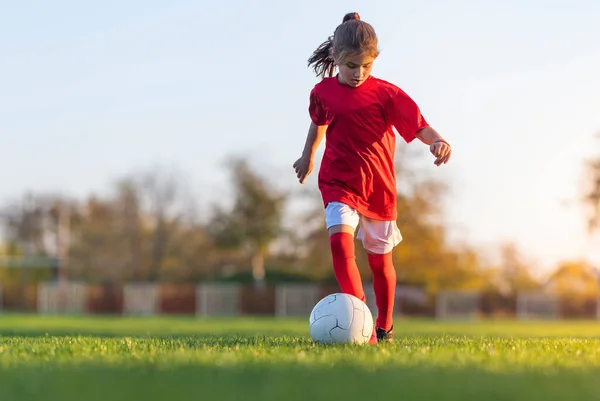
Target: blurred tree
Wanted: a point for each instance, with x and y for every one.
(19, 278)
(254, 220)
(312, 239)
(33, 223)
(592, 192)
(146, 231)
(420, 258)
(576, 284)
(161, 199)
(99, 249)
(33, 235)
(426, 257)
(515, 272)
(574, 279)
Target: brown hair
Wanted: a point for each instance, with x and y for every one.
(352, 36)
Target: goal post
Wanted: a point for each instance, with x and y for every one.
(457, 304)
(533, 305)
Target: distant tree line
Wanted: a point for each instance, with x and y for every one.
(148, 229)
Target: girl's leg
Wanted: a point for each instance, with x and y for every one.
(384, 286)
(379, 238)
(341, 222)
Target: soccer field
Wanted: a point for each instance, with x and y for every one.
(158, 358)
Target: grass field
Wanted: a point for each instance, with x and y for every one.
(64, 359)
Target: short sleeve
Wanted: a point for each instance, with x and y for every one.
(318, 113)
(404, 114)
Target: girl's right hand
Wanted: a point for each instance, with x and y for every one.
(303, 167)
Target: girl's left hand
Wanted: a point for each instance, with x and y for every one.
(442, 151)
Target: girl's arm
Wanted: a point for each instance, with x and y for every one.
(304, 165)
(313, 139)
(438, 146)
(428, 135)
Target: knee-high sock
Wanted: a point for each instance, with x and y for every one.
(344, 264)
(384, 285)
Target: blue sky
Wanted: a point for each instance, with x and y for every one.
(92, 91)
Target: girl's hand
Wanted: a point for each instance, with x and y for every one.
(441, 150)
(303, 167)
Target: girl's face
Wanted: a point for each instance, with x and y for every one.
(355, 69)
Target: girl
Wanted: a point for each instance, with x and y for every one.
(357, 178)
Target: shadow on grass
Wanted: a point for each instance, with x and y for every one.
(290, 382)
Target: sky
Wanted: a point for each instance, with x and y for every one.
(91, 91)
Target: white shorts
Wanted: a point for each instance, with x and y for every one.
(377, 236)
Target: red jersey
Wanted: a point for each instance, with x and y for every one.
(358, 165)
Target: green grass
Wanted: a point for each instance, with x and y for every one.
(64, 359)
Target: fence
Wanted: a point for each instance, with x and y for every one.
(206, 299)
(284, 300)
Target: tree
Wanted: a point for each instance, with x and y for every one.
(515, 272)
(311, 239)
(592, 192)
(145, 231)
(576, 284)
(19, 280)
(32, 224)
(425, 257)
(254, 221)
(574, 279)
(159, 196)
(34, 230)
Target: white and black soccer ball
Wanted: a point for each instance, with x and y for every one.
(341, 319)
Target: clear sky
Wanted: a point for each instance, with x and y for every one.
(90, 91)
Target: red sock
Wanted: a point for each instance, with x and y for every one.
(344, 265)
(384, 285)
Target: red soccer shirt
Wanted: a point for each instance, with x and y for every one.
(358, 165)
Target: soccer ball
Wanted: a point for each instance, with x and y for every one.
(341, 318)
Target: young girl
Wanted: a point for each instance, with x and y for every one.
(357, 178)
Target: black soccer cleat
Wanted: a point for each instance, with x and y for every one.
(385, 336)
